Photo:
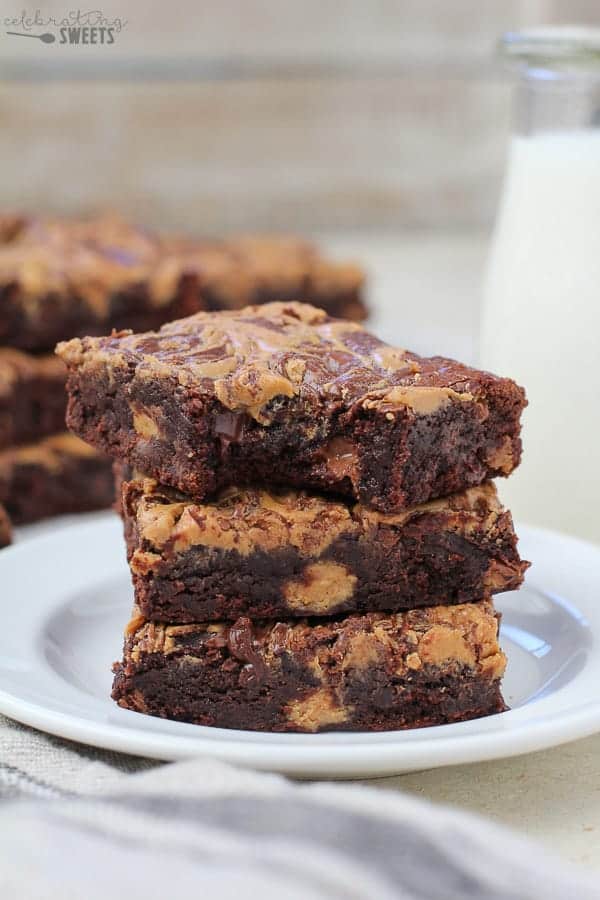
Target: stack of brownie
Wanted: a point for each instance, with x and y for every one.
(61, 278)
(312, 530)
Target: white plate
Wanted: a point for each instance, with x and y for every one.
(66, 597)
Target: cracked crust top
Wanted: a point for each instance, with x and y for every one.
(247, 359)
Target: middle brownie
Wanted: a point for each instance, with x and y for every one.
(268, 554)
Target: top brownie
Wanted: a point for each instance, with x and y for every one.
(285, 394)
(61, 278)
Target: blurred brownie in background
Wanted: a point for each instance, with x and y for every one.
(5, 529)
(32, 396)
(58, 475)
(63, 278)
(249, 270)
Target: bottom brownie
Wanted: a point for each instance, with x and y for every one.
(60, 474)
(5, 528)
(371, 672)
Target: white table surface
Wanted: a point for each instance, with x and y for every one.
(425, 291)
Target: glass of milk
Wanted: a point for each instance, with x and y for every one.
(541, 320)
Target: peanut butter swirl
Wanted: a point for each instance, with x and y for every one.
(248, 359)
(250, 519)
(455, 638)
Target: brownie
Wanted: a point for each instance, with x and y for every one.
(266, 555)
(33, 402)
(244, 270)
(371, 672)
(60, 474)
(285, 394)
(60, 278)
(5, 528)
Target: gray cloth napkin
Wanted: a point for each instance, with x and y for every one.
(80, 823)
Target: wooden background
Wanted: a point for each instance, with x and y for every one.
(269, 114)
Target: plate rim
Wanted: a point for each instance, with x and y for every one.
(349, 760)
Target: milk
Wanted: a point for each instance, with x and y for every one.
(541, 325)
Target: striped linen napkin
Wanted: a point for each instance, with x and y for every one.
(76, 822)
